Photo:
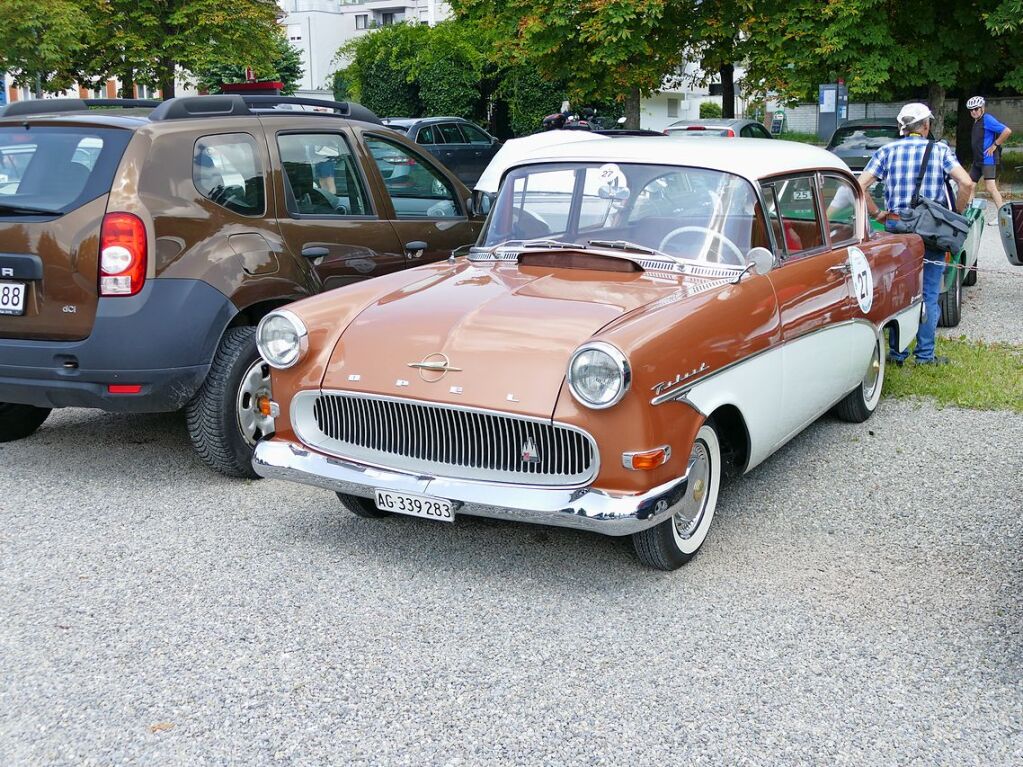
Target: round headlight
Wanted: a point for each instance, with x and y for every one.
(281, 338)
(598, 375)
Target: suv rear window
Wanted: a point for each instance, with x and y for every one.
(57, 169)
(226, 170)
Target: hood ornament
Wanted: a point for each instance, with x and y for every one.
(434, 367)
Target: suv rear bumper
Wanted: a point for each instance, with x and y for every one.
(162, 339)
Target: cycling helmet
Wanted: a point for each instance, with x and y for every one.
(976, 101)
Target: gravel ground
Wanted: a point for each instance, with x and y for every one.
(993, 308)
(156, 614)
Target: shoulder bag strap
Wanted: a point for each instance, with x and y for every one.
(920, 176)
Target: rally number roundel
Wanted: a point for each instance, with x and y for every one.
(862, 279)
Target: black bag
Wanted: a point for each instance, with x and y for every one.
(939, 228)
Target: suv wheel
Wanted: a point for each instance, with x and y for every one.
(18, 421)
(224, 421)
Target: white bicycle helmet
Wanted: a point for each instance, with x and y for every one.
(974, 102)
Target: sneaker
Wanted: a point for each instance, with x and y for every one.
(893, 360)
(934, 361)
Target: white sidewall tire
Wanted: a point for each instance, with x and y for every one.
(690, 545)
(882, 356)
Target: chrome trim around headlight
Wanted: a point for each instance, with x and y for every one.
(624, 372)
(301, 332)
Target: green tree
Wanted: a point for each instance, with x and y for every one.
(600, 49)
(285, 66)
(38, 42)
(381, 69)
(449, 68)
(708, 109)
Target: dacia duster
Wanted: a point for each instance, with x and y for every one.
(142, 242)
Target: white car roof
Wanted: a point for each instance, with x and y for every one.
(749, 158)
(515, 150)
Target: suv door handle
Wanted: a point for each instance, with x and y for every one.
(415, 249)
(315, 251)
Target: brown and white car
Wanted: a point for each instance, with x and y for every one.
(636, 320)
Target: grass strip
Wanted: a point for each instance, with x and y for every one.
(980, 376)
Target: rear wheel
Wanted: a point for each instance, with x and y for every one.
(224, 421)
(859, 404)
(971, 276)
(362, 507)
(951, 303)
(19, 421)
(673, 542)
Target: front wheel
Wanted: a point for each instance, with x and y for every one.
(19, 421)
(950, 303)
(859, 404)
(673, 542)
(224, 420)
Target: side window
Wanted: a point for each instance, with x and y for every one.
(475, 135)
(428, 135)
(321, 175)
(799, 219)
(746, 131)
(759, 131)
(226, 169)
(417, 190)
(840, 208)
(450, 133)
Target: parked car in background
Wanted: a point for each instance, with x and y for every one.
(726, 128)
(462, 146)
(855, 141)
(140, 246)
(632, 325)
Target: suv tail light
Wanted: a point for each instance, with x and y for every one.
(122, 255)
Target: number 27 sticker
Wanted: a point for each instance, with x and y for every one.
(862, 279)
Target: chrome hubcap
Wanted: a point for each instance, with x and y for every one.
(692, 507)
(255, 384)
(873, 375)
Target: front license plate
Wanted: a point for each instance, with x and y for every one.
(415, 505)
(12, 297)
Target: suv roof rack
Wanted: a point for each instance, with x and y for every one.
(49, 106)
(233, 105)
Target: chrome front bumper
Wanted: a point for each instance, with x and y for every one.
(584, 508)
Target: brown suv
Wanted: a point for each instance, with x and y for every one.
(141, 243)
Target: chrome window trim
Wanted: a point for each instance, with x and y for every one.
(301, 423)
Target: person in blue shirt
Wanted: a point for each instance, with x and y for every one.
(988, 135)
(898, 165)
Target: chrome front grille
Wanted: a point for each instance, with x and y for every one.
(461, 443)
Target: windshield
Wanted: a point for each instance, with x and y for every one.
(872, 137)
(687, 213)
(56, 169)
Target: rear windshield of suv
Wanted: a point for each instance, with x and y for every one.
(872, 137)
(54, 170)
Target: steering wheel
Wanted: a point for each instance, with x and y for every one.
(739, 260)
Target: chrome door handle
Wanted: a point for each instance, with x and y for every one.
(844, 268)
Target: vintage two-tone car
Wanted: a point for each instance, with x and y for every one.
(637, 319)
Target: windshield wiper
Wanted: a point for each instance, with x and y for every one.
(527, 244)
(626, 245)
(28, 210)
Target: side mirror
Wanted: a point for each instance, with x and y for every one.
(481, 202)
(762, 259)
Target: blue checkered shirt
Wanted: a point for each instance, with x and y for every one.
(898, 163)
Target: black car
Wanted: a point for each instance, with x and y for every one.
(461, 145)
(856, 141)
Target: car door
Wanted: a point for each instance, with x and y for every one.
(825, 348)
(1010, 225)
(427, 208)
(457, 152)
(483, 147)
(326, 212)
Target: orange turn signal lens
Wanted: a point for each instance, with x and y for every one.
(646, 460)
(267, 407)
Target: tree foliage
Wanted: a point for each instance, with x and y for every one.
(39, 40)
(285, 66)
(600, 49)
(380, 72)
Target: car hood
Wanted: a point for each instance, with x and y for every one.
(505, 331)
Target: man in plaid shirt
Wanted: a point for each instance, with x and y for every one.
(898, 164)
